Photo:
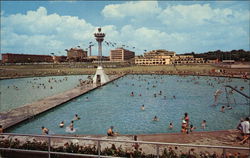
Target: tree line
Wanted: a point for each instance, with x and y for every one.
(237, 55)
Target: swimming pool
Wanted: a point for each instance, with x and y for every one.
(17, 92)
(113, 105)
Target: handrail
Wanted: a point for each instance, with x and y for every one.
(238, 91)
(127, 141)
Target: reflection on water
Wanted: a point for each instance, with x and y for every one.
(113, 105)
(17, 92)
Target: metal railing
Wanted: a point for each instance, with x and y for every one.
(157, 144)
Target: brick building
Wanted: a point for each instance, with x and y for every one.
(121, 55)
(76, 54)
(25, 58)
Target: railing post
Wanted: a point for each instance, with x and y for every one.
(224, 153)
(157, 151)
(99, 148)
(49, 146)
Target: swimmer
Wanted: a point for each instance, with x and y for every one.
(71, 126)
(184, 127)
(192, 128)
(87, 99)
(142, 107)
(216, 95)
(204, 124)
(160, 93)
(242, 88)
(174, 97)
(186, 118)
(165, 97)
(76, 117)
(155, 118)
(61, 124)
(229, 107)
(132, 94)
(45, 130)
(171, 126)
(222, 109)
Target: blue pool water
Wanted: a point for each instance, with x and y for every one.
(17, 92)
(113, 105)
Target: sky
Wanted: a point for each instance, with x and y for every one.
(45, 27)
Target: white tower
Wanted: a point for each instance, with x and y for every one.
(100, 76)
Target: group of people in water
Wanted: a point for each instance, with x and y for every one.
(69, 128)
(186, 125)
(38, 83)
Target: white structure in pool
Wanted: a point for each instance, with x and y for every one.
(100, 76)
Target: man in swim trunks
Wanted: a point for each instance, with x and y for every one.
(110, 131)
(45, 130)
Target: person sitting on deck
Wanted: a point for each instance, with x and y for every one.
(45, 130)
(136, 145)
(110, 131)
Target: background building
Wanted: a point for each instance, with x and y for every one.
(121, 55)
(187, 59)
(25, 58)
(164, 57)
(76, 54)
(30, 58)
(158, 60)
(159, 53)
(155, 57)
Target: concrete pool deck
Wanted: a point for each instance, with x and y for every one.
(225, 138)
(27, 111)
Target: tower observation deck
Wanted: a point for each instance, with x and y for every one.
(99, 38)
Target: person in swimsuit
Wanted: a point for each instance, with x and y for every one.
(110, 131)
(45, 130)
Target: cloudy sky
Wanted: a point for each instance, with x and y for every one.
(44, 27)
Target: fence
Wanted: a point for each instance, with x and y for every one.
(156, 144)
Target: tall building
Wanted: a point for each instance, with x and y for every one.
(121, 55)
(76, 54)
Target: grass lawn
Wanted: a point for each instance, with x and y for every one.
(73, 69)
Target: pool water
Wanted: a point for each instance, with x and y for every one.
(113, 105)
(17, 92)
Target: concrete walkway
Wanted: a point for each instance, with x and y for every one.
(17, 115)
